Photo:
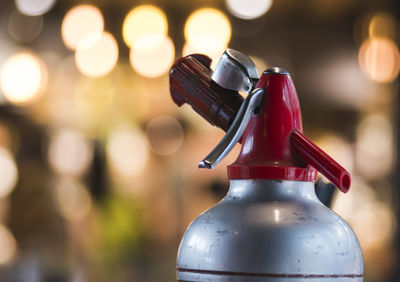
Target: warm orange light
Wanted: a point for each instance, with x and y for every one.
(382, 25)
(69, 153)
(8, 246)
(127, 152)
(79, 23)
(97, 56)
(207, 30)
(8, 173)
(153, 62)
(371, 219)
(144, 27)
(373, 225)
(23, 77)
(379, 59)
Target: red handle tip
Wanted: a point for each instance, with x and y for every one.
(345, 182)
(313, 155)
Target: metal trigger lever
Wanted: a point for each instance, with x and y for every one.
(235, 131)
(235, 71)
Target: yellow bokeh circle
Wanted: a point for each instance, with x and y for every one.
(207, 30)
(95, 56)
(153, 62)
(23, 77)
(79, 23)
(144, 27)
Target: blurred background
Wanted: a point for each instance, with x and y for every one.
(98, 167)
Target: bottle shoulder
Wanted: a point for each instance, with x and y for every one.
(271, 214)
(294, 230)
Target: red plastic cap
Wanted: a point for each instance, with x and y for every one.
(273, 146)
(266, 151)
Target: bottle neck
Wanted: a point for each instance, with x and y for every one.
(260, 190)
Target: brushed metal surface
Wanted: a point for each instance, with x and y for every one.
(277, 229)
(235, 71)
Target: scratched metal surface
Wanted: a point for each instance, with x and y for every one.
(278, 230)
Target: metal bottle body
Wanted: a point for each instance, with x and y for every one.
(265, 230)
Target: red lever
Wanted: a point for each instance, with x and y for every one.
(191, 83)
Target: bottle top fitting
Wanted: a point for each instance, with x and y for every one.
(268, 122)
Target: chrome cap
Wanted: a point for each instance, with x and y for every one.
(235, 71)
(276, 70)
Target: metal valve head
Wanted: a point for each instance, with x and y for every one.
(235, 71)
(267, 123)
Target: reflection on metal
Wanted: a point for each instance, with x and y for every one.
(276, 70)
(235, 71)
(276, 215)
(265, 229)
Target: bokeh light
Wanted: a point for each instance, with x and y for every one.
(127, 152)
(207, 30)
(379, 59)
(360, 194)
(8, 173)
(97, 56)
(144, 27)
(34, 7)
(155, 61)
(374, 146)
(164, 135)
(248, 10)
(382, 25)
(8, 246)
(23, 77)
(73, 200)
(81, 22)
(69, 152)
(371, 219)
(23, 28)
(374, 224)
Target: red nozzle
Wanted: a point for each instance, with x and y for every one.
(266, 150)
(273, 144)
(313, 155)
(190, 82)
